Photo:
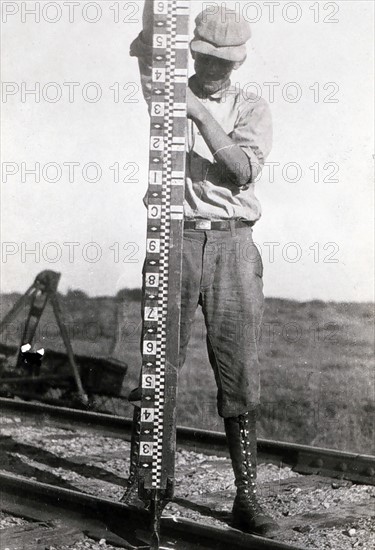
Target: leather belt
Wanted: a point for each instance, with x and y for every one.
(215, 225)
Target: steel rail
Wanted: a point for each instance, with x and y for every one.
(18, 493)
(304, 459)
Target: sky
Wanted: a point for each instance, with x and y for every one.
(84, 132)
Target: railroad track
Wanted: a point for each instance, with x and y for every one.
(73, 509)
(43, 502)
(304, 459)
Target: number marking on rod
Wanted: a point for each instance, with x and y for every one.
(162, 276)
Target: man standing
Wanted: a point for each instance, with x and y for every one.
(229, 138)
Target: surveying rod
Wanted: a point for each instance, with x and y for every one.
(162, 270)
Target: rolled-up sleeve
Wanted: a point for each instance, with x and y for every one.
(143, 51)
(253, 133)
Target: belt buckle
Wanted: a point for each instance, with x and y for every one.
(203, 224)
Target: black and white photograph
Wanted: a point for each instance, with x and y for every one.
(187, 275)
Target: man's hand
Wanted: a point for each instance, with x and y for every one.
(194, 106)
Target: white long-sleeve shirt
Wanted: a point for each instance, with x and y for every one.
(246, 118)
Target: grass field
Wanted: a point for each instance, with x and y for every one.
(318, 377)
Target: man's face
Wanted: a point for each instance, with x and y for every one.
(212, 72)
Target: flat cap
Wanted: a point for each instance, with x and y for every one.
(222, 33)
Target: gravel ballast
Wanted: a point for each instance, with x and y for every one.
(99, 465)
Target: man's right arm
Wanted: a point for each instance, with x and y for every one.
(147, 21)
(141, 48)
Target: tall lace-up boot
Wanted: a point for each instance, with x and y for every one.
(130, 496)
(247, 513)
